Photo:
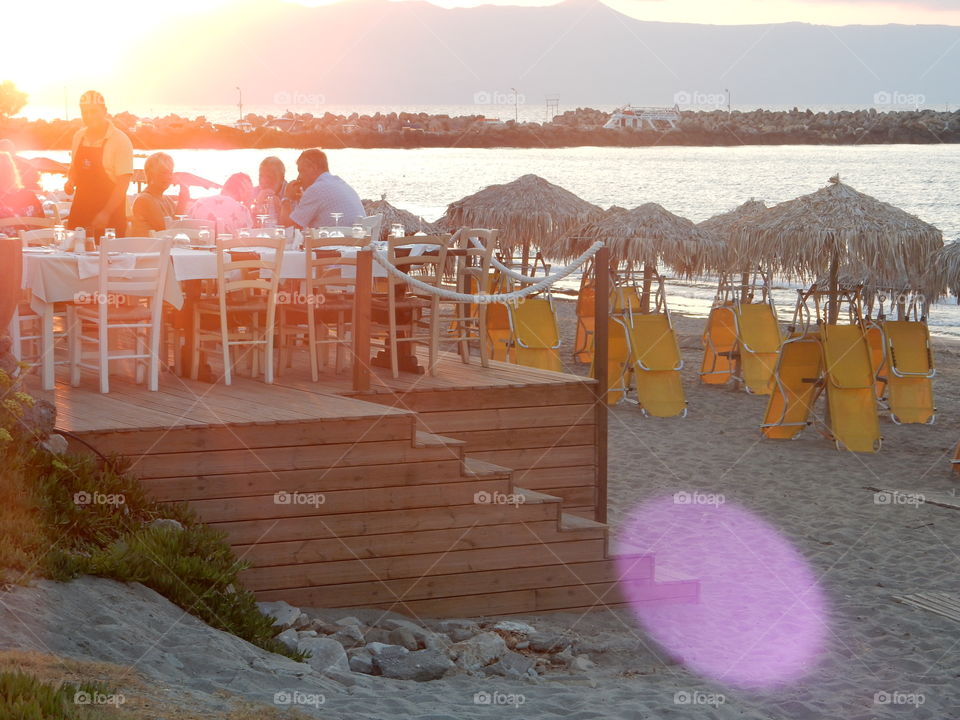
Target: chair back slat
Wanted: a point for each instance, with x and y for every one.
(246, 272)
(428, 266)
(42, 236)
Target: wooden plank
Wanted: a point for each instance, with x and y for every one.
(266, 554)
(232, 437)
(363, 294)
(458, 585)
(348, 501)
(205, 487)
(573, 496)
(540, 457)
(458, 561)
(520, 438)
(506, 418)
(554, 477)
(492, 398)
(373, 523)
(222, 462)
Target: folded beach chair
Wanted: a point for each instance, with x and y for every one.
(909, 371)
(498, 331)
(759, 342)
(657, 363)
(874, 332)
(719, 345)
(618, 361)
(851, 393)
(797, 385)
(583, 346)
(535, 336)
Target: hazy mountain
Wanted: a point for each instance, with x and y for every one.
(380, 52)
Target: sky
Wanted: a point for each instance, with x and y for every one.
(44, 74)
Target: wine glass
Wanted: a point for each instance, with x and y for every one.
(397, 230)
(336, 218)
(262, 219)
(203, 237)
(109, 234)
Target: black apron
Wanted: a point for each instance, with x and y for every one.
(94, 188)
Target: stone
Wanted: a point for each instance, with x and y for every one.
(166, 523)
(41, 419)
(512, 626)
(376, 649)
(55, 444)
(306, 633)
(377, 635)
(511, 665)
(325, 653)
(448, 626)
(459, 634)
(438, 641)
(350, 636)
(421, 666)
(323, 627)
(404, 637)
(523, 645)
(290, 638)
(302, 622)
(549, 643)
(346, 621)
(478, 651)
(582, 663)
(361, 660)
(283, 614)
(8, 363)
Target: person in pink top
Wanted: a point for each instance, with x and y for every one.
(230, 209)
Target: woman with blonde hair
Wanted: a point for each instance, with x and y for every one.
(15, 200)
(152, 207)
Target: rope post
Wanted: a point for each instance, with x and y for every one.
(362, 297)
(600, 353)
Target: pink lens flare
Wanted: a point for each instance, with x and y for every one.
(761, 620)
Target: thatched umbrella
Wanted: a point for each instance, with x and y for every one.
(529, 211)
(945, 268)
(725, 227)
(645, 236)
(837, 226)
(393, 215)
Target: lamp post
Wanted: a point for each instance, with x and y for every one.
(240, 102)
(516, 106)
(727, 91)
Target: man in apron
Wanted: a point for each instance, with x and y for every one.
(100, 170)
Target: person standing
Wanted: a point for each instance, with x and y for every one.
(101, 167)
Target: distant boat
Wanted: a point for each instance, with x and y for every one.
(631, 117)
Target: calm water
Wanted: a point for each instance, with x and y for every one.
(693, 182)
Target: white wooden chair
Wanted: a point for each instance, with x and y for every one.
(469, 320)
(245, 306)
(127, 299)
(36, 238)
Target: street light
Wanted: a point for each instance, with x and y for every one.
(240, 102)
(516, 106)
(727, 91)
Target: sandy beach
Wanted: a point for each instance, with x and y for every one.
(877, 658)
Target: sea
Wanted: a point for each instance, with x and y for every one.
(695, 182)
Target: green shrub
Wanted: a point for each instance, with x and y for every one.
(24, 697)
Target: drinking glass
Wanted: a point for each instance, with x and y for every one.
(262, 220)
(203, 237)
(397, 230)
(109, 234)
(244, 233)
(357, 231)
(336, 218)
(181, 239)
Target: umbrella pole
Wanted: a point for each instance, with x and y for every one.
(601, 370)
(834, 309)
(647, 285)
(744, 282)
(526, 256)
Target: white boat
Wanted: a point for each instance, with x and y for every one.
(632, 117)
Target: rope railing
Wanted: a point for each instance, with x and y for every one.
(505, 298)
(509, 272)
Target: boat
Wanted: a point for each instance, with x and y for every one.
(632, 117)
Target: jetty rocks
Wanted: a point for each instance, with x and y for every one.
(573, 128)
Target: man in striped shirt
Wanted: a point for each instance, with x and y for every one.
(315, 195)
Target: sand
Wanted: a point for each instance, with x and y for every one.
(860, 553)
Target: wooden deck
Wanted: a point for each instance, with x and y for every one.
(382, 499)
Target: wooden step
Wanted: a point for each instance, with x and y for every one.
(575, 523)
(482, 468)
(423, 439)
(533, 497)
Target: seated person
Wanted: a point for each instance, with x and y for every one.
(316, 194)
(16, 200)
(152, 207)
(29, 176)
(273, 185)
(229, 210)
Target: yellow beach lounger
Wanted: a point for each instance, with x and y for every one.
(618, 361)
(797, 385)
(657, 364)
(910, 371)
(874, 333)
(850, 388)
(759, 340)
(586, 317)
(498, 331)
(535, 335)
(719, 345)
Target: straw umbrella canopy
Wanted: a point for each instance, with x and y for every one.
(529, 211)
(393, 215)
(945, 268)
(725, 228)
(837, 227)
